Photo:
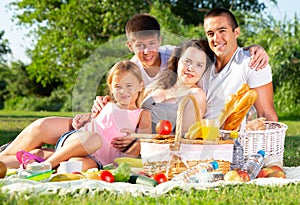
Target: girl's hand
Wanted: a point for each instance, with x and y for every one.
(99, 103)
(80, 120)
(123, 143)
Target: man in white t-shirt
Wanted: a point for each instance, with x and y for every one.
(231, 67)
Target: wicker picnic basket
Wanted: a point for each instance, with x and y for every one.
(174, 155)
(271, 140)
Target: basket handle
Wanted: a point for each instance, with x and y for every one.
(181, 106)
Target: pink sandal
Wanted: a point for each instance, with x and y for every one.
(25, 157)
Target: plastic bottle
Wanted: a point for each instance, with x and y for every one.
(201, 168)
(254, 164)
(238, 152)
(251, 115)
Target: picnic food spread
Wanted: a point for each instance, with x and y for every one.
(186, 157)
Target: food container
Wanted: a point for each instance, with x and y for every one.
(173, 155)
(271, 140)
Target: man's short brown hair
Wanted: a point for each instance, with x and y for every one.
(221, 12)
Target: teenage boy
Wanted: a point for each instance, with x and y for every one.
(232, 67)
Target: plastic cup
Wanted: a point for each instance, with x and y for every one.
(210, 129)
(69, 167)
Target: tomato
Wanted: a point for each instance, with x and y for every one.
(160, 178)
(107, 176)
(163, 127)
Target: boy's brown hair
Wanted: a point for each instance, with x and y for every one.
(142, 25)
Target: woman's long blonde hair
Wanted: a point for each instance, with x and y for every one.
(127, 67)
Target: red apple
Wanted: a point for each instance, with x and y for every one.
(264, 172)
(277, 174)
(244, 176)
(232, 175)
(163, 127)
(276, 168)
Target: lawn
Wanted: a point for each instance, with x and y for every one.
(12, 122)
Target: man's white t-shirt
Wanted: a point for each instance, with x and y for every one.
(165, 53)
(218, 86)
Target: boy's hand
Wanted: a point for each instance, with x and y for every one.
(99, 103)
(80, 120)
(259, 57)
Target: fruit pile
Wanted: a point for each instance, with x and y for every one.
(270, 169)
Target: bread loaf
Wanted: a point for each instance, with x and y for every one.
(241, 91)
(241, 107)
(228, 107)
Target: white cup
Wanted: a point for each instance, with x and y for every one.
(69, 167)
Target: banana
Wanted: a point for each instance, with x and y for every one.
(194, 131)
(194, 126)
(197, 133)
(66, 177)
(133, 162)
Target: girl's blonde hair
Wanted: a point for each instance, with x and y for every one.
(127, 67)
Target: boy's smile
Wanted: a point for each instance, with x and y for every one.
(146, 49)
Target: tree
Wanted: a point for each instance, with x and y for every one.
(193, 11)
(4, 47)
(4, 50)
(280, 39)
(69, 32)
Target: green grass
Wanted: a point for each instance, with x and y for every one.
(12, 122)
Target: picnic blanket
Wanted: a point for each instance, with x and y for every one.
(84, 186)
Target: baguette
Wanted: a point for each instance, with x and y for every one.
(241, 108)
(241, 91)
(229, 105)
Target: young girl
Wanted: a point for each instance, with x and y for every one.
(92, 143)
(123, 115)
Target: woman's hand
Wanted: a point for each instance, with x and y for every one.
(259, 57)
(99, 103)
(80, 120)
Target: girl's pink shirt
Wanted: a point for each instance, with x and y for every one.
(108, 124)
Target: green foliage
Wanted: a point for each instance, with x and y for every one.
(4, 48)
(71, 56)
(280, 40)
(69, 32)
(193, 11)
